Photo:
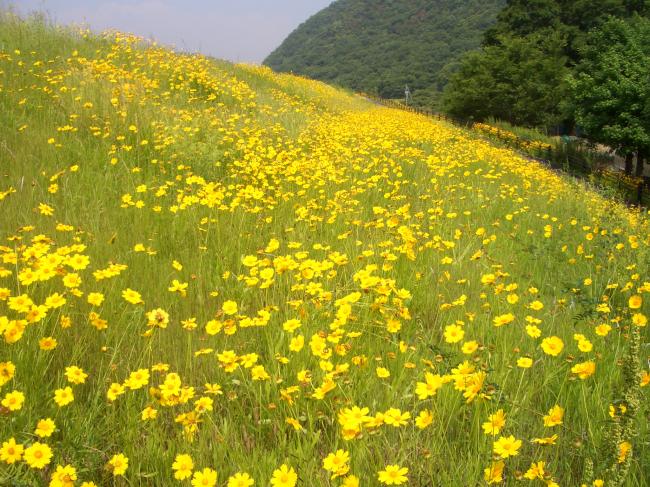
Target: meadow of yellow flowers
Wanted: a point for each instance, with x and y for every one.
(211, 274)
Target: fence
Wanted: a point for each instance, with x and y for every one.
(573, 158)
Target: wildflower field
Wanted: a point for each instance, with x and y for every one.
(211, 274)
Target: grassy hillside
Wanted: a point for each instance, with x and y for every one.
(380, 46)
(216, 274)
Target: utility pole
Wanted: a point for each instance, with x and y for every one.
(407, 95)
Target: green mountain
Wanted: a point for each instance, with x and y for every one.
(379, 46)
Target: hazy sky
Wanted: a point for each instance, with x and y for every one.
(237, 30)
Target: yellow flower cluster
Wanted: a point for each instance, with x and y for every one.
(212, 274)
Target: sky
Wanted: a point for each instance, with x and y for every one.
(236, 30)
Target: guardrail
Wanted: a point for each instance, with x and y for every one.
(635, 191)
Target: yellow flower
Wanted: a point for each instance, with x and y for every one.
(639, 319)
(72, 280)
(495, 423)
(240, 479)
(131, 296)
(350, 481)
(63, 397)
(393, 475)
(7, 371)
(148, 413)
(503, 319)
(624, 449)
(297, 343)
(512, 298)
(38, 455)
(13, 400)
(11, 452)
(454, 333)
(524, 362)
(229, 308)
(494, 473)
(533, 331)
(635, 302)
(75, 375)
(337, 463)
(45, 428)
(645, 378)
(114, 390)
(178, 287)
(584, 369)
(550, 440)
(395, 417)
(157, 318)
(95, 299)
(470, 347)
(554, 416)
(291, 325)
(603, 329)
(536, 471)
(205, 478)
(183, 466)
(284, 476)
(506, 446)
(118, 464)
(424, 419)
(552, 345)
(55, 301)
(137, 379)
(64, 476)
(259, 373)
(585, 346)
(382, 372)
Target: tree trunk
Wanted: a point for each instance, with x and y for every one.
(640, 162)
(629, 163)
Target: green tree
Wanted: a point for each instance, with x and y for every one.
(379, 46)
(611, 89)
(571, 18)
(521, 80)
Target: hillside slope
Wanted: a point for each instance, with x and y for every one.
(213, 272)
(379, 46)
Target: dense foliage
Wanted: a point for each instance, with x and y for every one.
(521, 81)
(514, 44)
(611, 89)
(379, 46)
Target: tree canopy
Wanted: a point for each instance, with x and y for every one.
(611, 88)
(379, 46)
(529, 40)
(521, 80)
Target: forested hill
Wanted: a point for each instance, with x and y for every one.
(379, 46)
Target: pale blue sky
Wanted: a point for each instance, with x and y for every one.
(237, 30)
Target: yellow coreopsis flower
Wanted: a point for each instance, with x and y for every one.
(63, 397)
(183, 467)
(554, 417)
(584, 370)
(118, 464)
(393, 475)
(506, 446)
(13, 400)
(240, 479)
(284, 476)
(495, 423)
(552, 346)
(635, 302)
(38, 455)
(11, 452)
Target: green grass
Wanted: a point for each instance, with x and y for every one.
(236, 156)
